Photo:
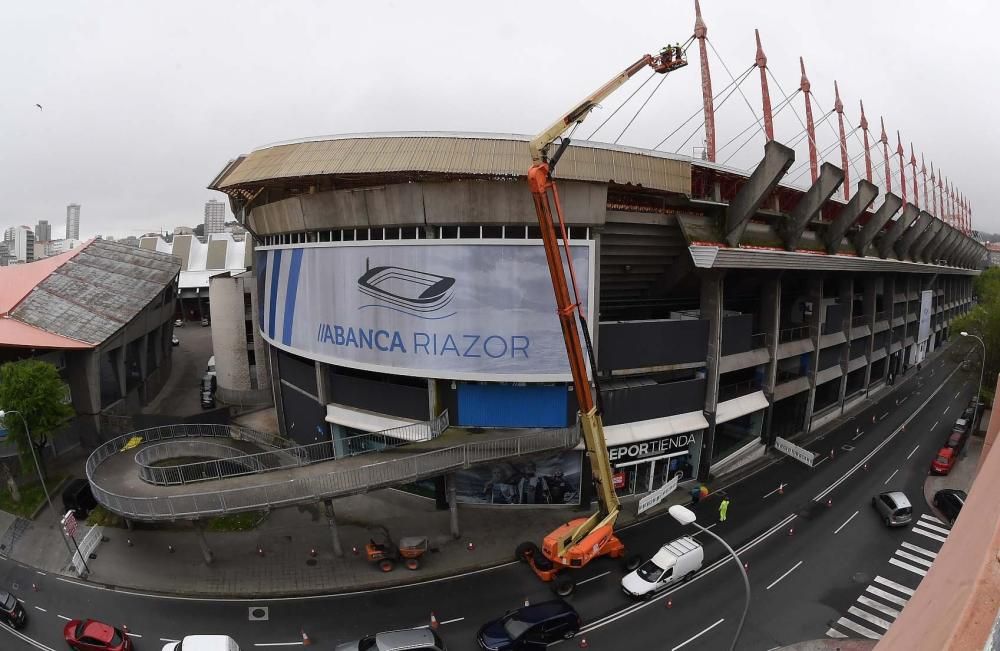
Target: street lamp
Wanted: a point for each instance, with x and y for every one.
(45, 489)
(982, 368)
(684, 515)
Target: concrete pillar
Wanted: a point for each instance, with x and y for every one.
(434, 406)
(870, 286)
(711, 309)
(847, 302)
(279, 407)
(815, 323)
(452, 506)
(322, 384)
(144, 356)
(206, 551)
(770, 319)
(118, 361)
(331, 520)
(160, 334)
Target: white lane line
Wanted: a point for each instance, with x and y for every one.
(907, 566)
(883, 416)
(858, 628)
(278, 644)
(41, 609)
(461, 619)
(871, 619)
(64, 617)
(821, 461)
(919, 560)
(775, 582)
(957, 395)
(593, 578)
(920, 550)
(899, 601)
(692, 639)
(890, 476)
(946, 410)
(781, 487)
(934, 527)
(32, 641)
(832, 632)
(931, 518)
(845, 523)
(934, 426)
(928, 534)
(911, 452)
(874, 605)
(133, 635)
(858, 435)
(898, 587)
(40, 572)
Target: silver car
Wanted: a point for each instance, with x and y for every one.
(416, 639)
(894, 508)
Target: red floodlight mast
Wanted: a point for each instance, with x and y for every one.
(700, 32)
(868, 150)
(927, 197)
(902, 167)
(913, 163)
(810, 127)
(884, 139)
(839, 107)
(934, 202)
(765, 96)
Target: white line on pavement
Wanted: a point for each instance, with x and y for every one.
(64, 617)
(912, 557)
(832, 632)
(845, 523)
(899, 587)
(460, 619)
(278, 644)
(33, 642)
(775, 582)
(858, 628)
(934, 426)
(858, 435)
(692, 639)
(883, 416)
(780, 487)
(882, 608)
(821, 461)
(890, 476)
(957, 394)
(40, 572)
(946, 410)
(41, 609)
(931, 518)
(934, 527)
(872, 619)
(593, 578)
(928, 534)
(912, 451)
(920, 550)
(878, 592)
(907, 566)
(133, 635)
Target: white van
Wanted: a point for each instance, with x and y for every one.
(676, 561)
(203, 643)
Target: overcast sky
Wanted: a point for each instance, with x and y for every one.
(143, 103)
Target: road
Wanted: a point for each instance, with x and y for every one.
(808, 562)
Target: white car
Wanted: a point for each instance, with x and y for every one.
(676, 561)
(203, 643)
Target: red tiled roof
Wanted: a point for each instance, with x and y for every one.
(17, 281)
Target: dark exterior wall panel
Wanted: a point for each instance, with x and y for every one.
(643, 344)
(654, 401)
(380, 397)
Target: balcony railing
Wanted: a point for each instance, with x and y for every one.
(792, 334)
(737, 389)
(758, 340)
(859, 320)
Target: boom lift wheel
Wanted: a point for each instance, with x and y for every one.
(564, 586)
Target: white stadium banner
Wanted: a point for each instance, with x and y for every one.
(457, 309)
(654, 498)
(794, 451)
(924, 330)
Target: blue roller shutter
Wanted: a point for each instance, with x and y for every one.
(495, 405)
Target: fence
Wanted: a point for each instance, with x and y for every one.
(349, 481)
(89, 543)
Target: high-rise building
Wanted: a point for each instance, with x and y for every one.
(215, 217)
(73, 221)
(43, 231)
(20, 241)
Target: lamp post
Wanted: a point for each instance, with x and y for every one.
(982, 369)
(45, 489)
(684, 515)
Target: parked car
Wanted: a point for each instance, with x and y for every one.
(530, 627)
(178, 323)
(894, 508)
(949, 502)
(78, 498)
(956, 440)
(943, 462)
(11, 610)
(676, 561)
(175, 341)
(92, 635)
(416, 639)
(203, 643)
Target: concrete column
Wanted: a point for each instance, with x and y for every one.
(118, 360)
(160, 335)
(206, 551)
(847, 301)
(434, 406)
(332, 522)
(143, 354)
(815, 325)
(322, 384)
(870, 285)
(770, 319)
(711, 309)
(452, 506)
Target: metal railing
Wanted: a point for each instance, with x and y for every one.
(225, 461)
(792, 334)
(737, 389)
(758, 340)
(859, 320)
(336, 483)
(881, 316)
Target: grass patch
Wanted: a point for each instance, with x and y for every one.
(236, 521)
(32, 497)
(101, 517)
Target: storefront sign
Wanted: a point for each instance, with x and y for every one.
(454, 309)
(653, 448)
(618, 480)
(794, 451)
(654, 498)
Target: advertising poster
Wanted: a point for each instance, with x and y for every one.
(553, 479)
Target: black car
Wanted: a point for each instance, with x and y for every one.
(78, 498)
(530, 627)
(11, 610)
(949, 501)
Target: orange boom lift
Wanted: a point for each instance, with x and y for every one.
(581, 540)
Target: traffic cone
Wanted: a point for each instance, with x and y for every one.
(260, 550)
(305, 638)
(829, 503)
(34, 587)
(434, 622)
(670, 602)
(781, 489)
(312, 552)
(125, 629)
(865, 467)
(526, 602)
(831, 454)
(354, 549)
(471, 546)
(791, 531)
(746, 566)
(584, 644)
(170, 548)
(873, 418)
(128, 541)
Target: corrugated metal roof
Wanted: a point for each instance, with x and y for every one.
(454, 154)
(716, 257)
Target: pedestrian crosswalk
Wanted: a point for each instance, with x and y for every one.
(884, 598)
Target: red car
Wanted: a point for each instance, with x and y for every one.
(91, 635)
(943, 462)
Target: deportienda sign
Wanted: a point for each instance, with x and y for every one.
(454, 309)
(656, 447)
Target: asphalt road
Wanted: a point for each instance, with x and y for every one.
(802, 582)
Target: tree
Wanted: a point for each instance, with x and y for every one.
(199, 230)
(35, 390)
(984, 321)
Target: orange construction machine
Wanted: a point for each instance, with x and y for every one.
(579, 541)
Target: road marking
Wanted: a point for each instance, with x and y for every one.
(890, 476)
(874, 605)
(64, 617)
(907, 566)
(858, 435)
(459, 619)
(934, 527)
(872, 619)
(928, 534)
(41, 609)
(821, 461)
(832, 632)
(780, 487)
(912, 451)
(946, 410)
(858, 628)
(911, 557)
(883, 416)
(278, 644)
(899, 601)
(692, 639)
(40, 572)
(33, 642)
(845, 523)
(934, 426)
(957, 395)
(167, 639)
(920, 550)
(878, 447)
(899, 587)
(133, 635)
(931, 518)
(775, 582)
(593, 578)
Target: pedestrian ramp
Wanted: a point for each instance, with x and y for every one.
(875, 609)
